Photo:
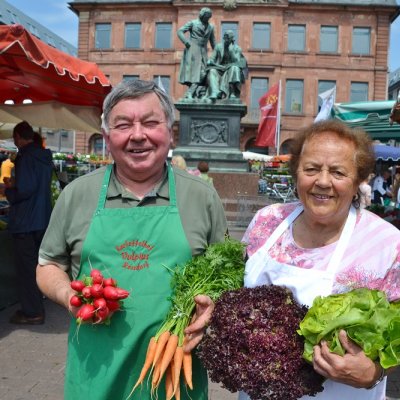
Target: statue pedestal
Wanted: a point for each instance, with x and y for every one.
(211, 132)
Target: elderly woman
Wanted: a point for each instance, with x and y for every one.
(325, 244)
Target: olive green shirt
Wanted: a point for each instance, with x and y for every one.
(200, 208)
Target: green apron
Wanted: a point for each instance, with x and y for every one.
(134, 246)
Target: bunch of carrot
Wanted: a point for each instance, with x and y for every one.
(219, 269)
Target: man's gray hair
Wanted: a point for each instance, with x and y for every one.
(134, 89)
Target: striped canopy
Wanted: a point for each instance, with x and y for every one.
(372, 116)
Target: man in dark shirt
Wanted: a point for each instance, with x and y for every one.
(29, 196)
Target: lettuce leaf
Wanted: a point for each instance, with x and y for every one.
(369, 319)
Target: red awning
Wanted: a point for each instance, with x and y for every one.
(31, 69)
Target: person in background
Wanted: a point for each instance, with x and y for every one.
(103, 218)
(364, 192)
(7, 167)
(30, 210)
(381, 188)
(325, 244)
(202, 166)
(179, 162)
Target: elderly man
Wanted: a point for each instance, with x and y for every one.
(226, 69)
(139, 199)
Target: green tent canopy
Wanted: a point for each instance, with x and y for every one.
(372, 116)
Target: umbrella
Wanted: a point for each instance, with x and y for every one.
(386, 153)
(50, 114)
(248, 155)
(371, 116)
(31, 69)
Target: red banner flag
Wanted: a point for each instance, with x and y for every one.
(266, 135)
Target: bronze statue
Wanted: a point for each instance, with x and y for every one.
(226, 69)
(194, 61)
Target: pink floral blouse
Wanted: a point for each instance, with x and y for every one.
(371, 260)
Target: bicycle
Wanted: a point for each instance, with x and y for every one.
(281, 192)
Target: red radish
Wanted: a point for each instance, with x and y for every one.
(75, 301)
(77, 285)
(100, 303)
(96, 275)
(96, 290)
(113, 293)
(87, 292)
(85, 313)
(101, 315)
(109, 282)
(113, 305)
(122, 293)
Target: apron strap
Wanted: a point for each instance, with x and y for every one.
(276, 234)
(339, 249)
(171, 185)
(343, 240)
(104, 186)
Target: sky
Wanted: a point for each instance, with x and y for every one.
(56, 16)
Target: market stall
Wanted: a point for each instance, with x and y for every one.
(50, 89)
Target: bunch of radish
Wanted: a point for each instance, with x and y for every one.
(97, 298)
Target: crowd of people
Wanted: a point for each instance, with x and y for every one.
(318, 245)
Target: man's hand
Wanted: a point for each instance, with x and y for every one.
(195, 331)
(354, 368)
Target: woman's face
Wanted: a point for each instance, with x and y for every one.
(327, 177)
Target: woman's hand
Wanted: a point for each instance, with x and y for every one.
(354, 368)
(195, 331)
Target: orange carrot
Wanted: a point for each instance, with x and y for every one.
(156, 373)
(168, 355)
(187, 369)
(161, 342)
(169, 387)
(178, 393)
(178, 358)
(151, 349)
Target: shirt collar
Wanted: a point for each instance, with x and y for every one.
(116, 189)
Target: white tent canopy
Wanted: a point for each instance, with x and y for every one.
(248, 155)
(52, 115)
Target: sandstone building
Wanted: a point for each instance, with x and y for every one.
(308, 45)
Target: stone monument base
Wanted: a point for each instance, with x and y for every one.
(211, 132)
(219, 160)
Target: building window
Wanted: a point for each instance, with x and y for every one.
(328, 40)
(361, 41)
(97, 144)
(323, 86)
(359, 91)
(294, 96)
(261, 36)
(163, 35)
(296, 38)
(230, 26)
(13, 17)
(103, 36)
(163, 81)
(259, 87)
(49, 40)
(130, 77)
(132, 35)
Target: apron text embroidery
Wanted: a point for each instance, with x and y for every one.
(134, 243)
